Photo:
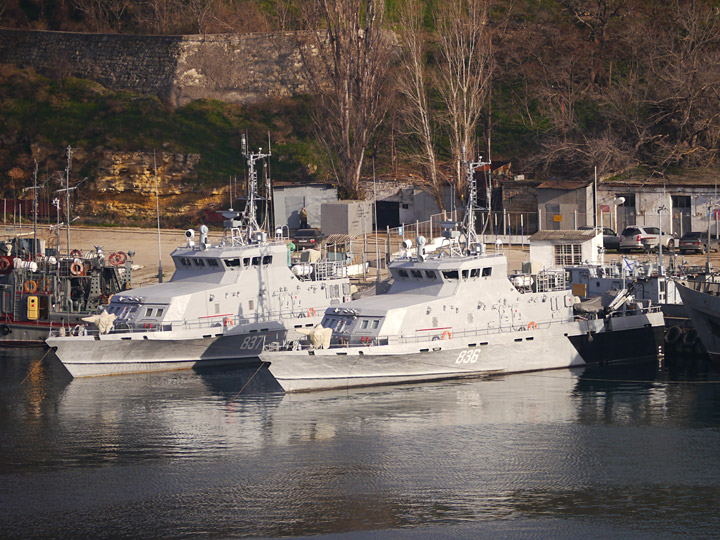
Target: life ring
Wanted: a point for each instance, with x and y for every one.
(118, 259)
(672, 335)
(76, 269)
(4, 264)
(446, 334)
(532, 325)
(30, 286)
(5, 330)
(46, 284)
(227, 322)
(690, 338)
(311, 312)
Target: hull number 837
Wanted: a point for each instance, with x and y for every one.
(468, 357)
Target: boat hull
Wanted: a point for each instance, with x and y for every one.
(116, 354)
(704, 311)
(557, 345)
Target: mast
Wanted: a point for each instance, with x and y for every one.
(250, 212)
(157, 211)
(471, 207)
(67, 196)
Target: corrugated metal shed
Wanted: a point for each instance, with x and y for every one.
(570, 235)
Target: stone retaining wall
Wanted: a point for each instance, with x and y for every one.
(235, 68)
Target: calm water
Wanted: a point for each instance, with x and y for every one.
(606, 452)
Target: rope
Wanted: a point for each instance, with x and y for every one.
(250, 379)
(35, 367)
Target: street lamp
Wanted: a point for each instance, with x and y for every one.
(617, 202)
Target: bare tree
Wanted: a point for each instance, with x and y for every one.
(464, 73)
(413, 85)
(349, 74)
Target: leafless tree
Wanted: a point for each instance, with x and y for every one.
(413, 82)
(348, 72)
(103, 15)
(464, 73)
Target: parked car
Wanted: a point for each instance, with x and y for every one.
(646, 239)
(307, 238)
(697, 241)
(611, 240)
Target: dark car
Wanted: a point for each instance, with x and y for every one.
(611, 240)
(307, 238)
(697, 241)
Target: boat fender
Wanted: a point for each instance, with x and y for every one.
(227, 322)
(672, 335)
(30, 286)
(690, 338)
(311, 312)
(4, 330)
(76, 268)
(4, 264)
(76, 253)
(446, 334)
(532, 325)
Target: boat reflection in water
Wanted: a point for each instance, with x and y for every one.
(525, 455)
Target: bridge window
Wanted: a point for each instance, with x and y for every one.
(212, 262)
(184, 261)
(451, 274)
(230, 263)
(402, 273)
(417, 274)
(375, 324)
(199, 262)
(267, 259)
(474, 272)
(430, 274)
(487, 271)
(246, 261)
(365, 324)
(256, 261)
(159, 312)
(149, 312)
(465, 274)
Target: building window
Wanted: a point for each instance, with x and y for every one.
(680, 201)
(568, 255)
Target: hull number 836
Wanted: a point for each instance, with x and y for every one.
(468, 357)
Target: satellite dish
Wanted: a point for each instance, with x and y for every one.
(203, 229)
(407, 244)
(190, 233)
(421, 240)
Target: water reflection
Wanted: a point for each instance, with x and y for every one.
(224, 453)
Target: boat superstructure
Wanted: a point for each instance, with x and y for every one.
(457, 313)
(224, 301)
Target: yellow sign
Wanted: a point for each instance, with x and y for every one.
(557, 217)
(32, 308)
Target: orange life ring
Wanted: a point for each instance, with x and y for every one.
(4, 264)
(76, 253)
(227, 322)
(447, 334)
(46, 284)
(76, 269)
(311, 312)
(532, 325)
(30, 286)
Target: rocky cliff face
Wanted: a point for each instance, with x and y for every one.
(122, 190)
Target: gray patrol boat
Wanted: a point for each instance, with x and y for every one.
(455, 313)
(222, 304)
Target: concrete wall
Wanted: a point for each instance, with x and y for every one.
(347, 217)
(289, 200)
(235, 68)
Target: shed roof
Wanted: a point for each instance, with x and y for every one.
(569, 235)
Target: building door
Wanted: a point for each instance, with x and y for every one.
(388, 214)
(626, 212)
(681, 217)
